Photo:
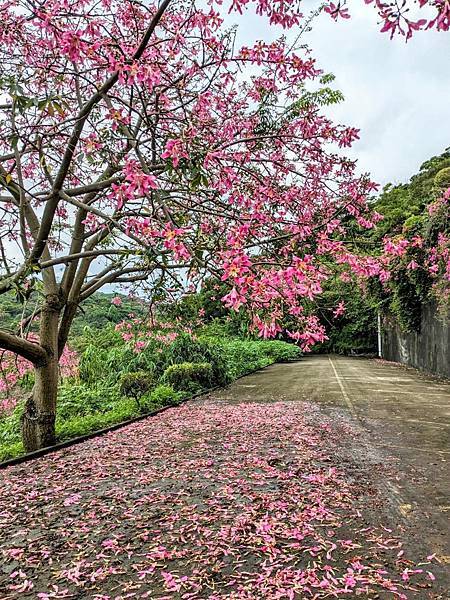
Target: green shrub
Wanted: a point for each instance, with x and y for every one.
(281, 351)
(8, 451)
(186, 349)
(103, 339)
(136, 384)
(244, 356)
(442, 179)
(105, 364)
(162, 395)
(109, 363)
(189, 376)
(236, 326)
(82, 399)
(83, 424)
(10, 428)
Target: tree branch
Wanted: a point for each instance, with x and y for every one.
(28, 350)
(54, 195)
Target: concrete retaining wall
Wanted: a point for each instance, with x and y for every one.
(428, 350)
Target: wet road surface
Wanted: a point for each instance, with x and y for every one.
(323, 478)
(404, 419)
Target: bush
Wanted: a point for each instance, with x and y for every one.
(136, 384)
(110, 362)
(189, 376)
(281, 351)
(81, 399)
(162, 395)
(82, 425)
(10, 428)
(187, 349)
(244, 356)
(105, 364)
(11, 451)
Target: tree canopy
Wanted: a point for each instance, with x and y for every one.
(139, 145)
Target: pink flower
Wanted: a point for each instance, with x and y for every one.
(139, 346)
(73, 499)
(175, 151)
(339, 310)
(412, 265)
(336, 11)
(233, 299)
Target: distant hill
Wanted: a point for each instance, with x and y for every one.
(405, 204)
(96, 312)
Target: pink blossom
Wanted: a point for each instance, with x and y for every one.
(175, 151)
(233, 299)
(339, 310)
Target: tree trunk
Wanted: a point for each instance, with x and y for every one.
(38, 419)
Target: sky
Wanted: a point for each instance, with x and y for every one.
(396, 93)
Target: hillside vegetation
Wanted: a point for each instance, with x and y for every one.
(404, 208)
(96, 312)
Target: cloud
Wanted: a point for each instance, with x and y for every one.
(396, 93)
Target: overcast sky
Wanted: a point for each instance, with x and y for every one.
(396, 93)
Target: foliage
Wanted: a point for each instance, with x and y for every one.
(110, 363)
(197, 350)
(99, 310)
(96, 312)
(189, 376)
(136, 384)
(106, 354)
(75, 426)
(111, 368)
(8, 451)
(400, 204)
(408, 252)
(280, 351)
(417, 264)
(354, 329)
(213, 346)
(243, 357)
(80, 399)
(162, 395)
(10, 426)
(206, 307)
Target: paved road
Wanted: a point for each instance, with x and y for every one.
(250, 493)
(404, 417)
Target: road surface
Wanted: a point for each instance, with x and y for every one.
(322, 478)
(404, 418)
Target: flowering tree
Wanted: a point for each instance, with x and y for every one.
(139, 145)
(415, 264)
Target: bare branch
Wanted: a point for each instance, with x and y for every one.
(28, 350)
